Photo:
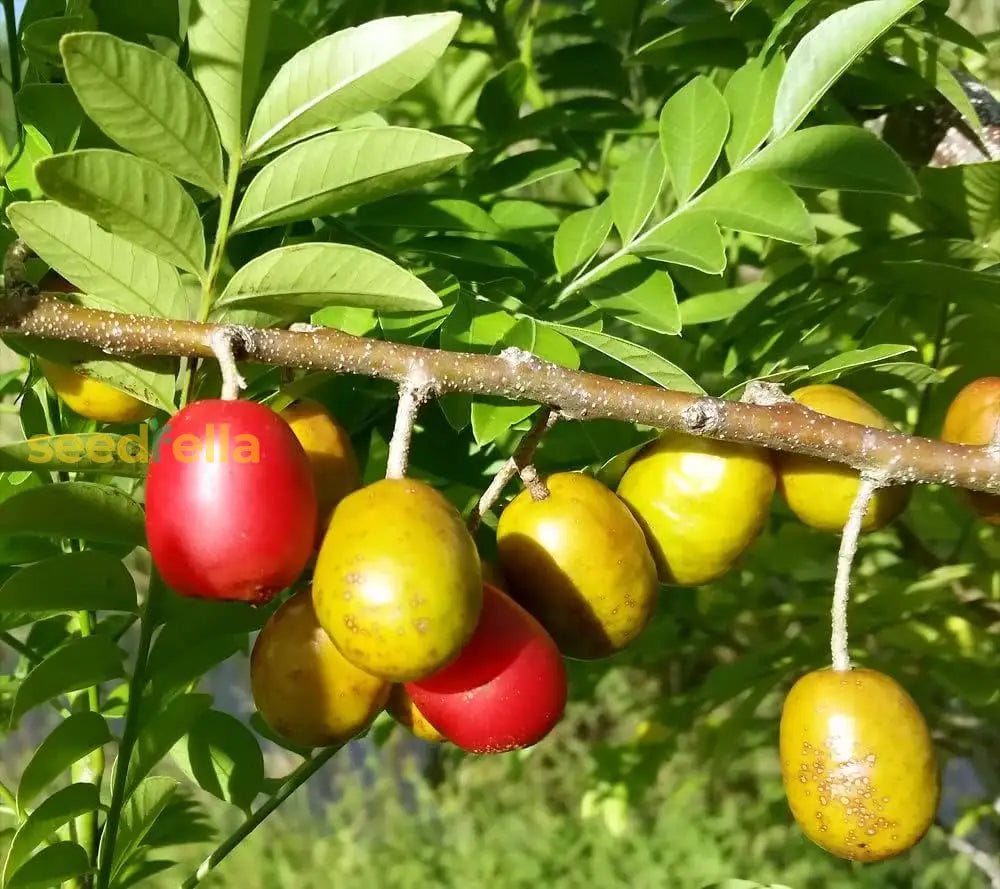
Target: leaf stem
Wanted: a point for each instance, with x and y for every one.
(130, 732)
(10, 20)
(215, 262)
(294, 781)
(8, 797)
(92, 770)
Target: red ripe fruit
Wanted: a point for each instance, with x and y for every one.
(505, 690)
(230, 502)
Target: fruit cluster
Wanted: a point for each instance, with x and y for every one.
(401, 615)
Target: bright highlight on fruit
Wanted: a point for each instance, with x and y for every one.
(821, 493)
(229, 528)
(858, 764)
(303, 687)
(398, 582)
(971, 419)
(701, 503)
(578, 561)
(505, 691)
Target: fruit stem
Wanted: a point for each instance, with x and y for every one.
(547, 418)
(222, 345)
(533, 482)
(412, 394)
(293, 782)
(842, 583)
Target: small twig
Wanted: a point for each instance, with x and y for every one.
(533, 482)
(412, 394)
(222, 345)
(547, 418)
(845, 561)
(986, 863)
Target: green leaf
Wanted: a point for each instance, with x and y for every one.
(52, 110)
(491, 418)
(114, 274)
(92, 452)
(522, 170)
(222, 755)
(638, 358)
(63, 806)
(635, 189)
(162, 729)
(228, 41)
(422, 211)
(580, 236)
(79, 663)
(129, 197)
(19, 176)
(140, 99)
(183, 820)
(935, 278)
(91, 580)
(52, 866)
(346, 74)
(694, 124)
(86, 510)
(499, 103)
(340, 170)
(856, 358)
(78, 735)
(637, 293)
(750, 95)
(144, 806)
(40, 39)
(311, 276)
(515, 215)
(847, 158)
(967, 196)
(689, 238)
(826, 52)
(759, 203)
(718, 305)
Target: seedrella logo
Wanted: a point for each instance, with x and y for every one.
(218, 444)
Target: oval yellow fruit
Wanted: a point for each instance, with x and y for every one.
(701, 502)
(331, 454)
(578, 561)
(398, 583)
(857, 763)
(971, 418)
(303, 687)
(405, 712)
(821, 493)
(92, 398)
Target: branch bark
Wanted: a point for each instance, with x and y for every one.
(895, 457)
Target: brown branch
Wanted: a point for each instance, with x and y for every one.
(521, 377)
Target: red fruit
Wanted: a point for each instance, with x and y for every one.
(505, 690)
(230, 502)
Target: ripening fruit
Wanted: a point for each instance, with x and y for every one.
(405, 712)
(493, 575)
(230, 502)
(577, 560)
(398, 583)
(821, 493)
(700, 501)
(505, 691)
(303, 687)
(328, 446)
(857, 763)
(970, 420)
(85, 396)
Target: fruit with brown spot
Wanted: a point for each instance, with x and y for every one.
(398, 582)
(857, 763)
(305, 689)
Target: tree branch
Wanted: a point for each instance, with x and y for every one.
(895, 457)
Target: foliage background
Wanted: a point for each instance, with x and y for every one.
(665, 770)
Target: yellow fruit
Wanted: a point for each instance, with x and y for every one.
(970, 420)
(821, 493)
(578, 561)
(398, 584)
(858, 764)
(701, 503)
(303, 687)
(328, 446)
(93, 399)
(405, 712)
